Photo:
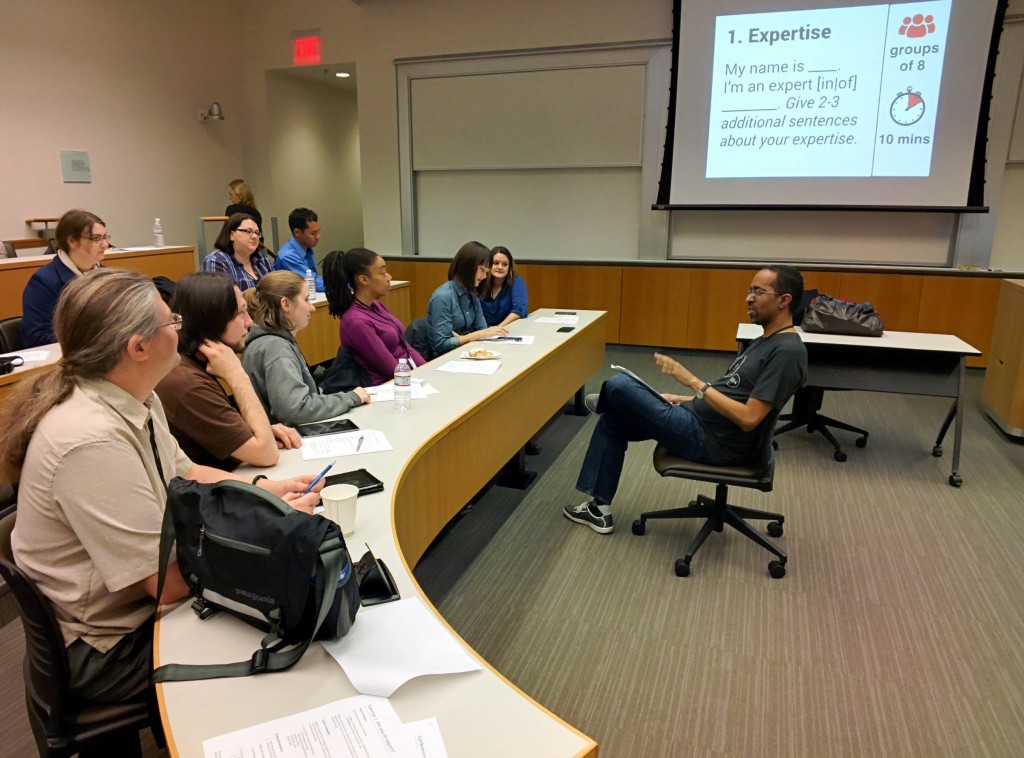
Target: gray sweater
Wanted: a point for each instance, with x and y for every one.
(283, 383)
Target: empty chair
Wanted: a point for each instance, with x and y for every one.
(10, 334)
(30, 246)
(808, 400)
(718, 512)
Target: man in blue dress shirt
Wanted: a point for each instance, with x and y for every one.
(297, 254)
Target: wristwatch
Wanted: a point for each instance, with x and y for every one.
(702, 390)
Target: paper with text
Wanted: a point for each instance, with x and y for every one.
(356, 727)
(349, 443)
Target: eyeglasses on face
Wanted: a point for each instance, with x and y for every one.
(174, 322)
(95, 237)
(250, 232)
(757, 292)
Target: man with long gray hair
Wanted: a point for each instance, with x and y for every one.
(90, 443)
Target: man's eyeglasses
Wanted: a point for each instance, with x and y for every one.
(175, 322)
(250, 232)
(757, 292)
(95, 237)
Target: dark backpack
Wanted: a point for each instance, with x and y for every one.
(244, 550)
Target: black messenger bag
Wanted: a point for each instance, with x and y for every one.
(243, 550)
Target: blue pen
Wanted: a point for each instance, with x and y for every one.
(312, 484)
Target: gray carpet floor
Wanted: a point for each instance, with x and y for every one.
(897, 630)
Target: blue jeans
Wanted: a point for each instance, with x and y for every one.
(630, 414)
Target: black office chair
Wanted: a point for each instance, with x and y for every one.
(61, 724)
(759, 474)
(10, 334)
(808, 401)
(416, 335)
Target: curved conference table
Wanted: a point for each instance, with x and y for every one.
(447, 448)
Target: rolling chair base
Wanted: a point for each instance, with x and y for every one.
(719, 513)
(806, 404)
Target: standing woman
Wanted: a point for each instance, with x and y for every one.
(454, 314)
(504, 297)
(242, 201)
(280, 308)
(237, 252)
(354, 282)
(82, 241)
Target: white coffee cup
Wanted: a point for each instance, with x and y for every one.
(340, 506)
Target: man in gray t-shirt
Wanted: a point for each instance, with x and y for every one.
(717, 424)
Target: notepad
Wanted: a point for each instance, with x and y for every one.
(636, 378)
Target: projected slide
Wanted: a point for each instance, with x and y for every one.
(834, 92)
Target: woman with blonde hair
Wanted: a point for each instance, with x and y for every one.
(242, 201)
(280, 308)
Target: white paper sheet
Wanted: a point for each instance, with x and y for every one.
(471, 367)
(558, 320)
(518, 339)
(356, 727)
(349, 443)
(29, 356)
(392, 643)
(386, 393)
(426, 737)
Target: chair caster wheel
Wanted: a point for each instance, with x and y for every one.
(861, 442)
(937, 451)
(777, 569)
(955, 480)
(774, 528)
(639, 527)
(839, 455)
(682, 568)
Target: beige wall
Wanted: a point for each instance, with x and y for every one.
(150, 67)
(313, 152)
(124, 81)
(374, 34)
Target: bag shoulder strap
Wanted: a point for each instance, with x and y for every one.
(267, 658)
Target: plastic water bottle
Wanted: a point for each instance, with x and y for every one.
(403, 385)
(310, 285)
(158, 234)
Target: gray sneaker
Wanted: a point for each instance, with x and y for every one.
(591, 402)
(588, 513)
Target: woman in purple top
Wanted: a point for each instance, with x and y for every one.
(354, 282)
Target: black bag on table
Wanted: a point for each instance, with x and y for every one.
(826, 315)
(244, 550)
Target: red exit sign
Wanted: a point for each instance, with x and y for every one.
(306, 50)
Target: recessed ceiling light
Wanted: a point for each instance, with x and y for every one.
(343, 75)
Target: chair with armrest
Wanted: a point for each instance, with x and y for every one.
(61, 724)
(758, 474)
(808, 400)
(30, 246)
(10, 334)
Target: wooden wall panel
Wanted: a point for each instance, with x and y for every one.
(584, 287)
(962, 305)
(896, 297)
(423, 276)
(655, 306)
(826, 282)
(717, 305)
(709, 303)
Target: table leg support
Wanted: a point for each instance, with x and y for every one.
(577, 408)
(955, 480)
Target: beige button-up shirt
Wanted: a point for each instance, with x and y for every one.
(90, 508)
